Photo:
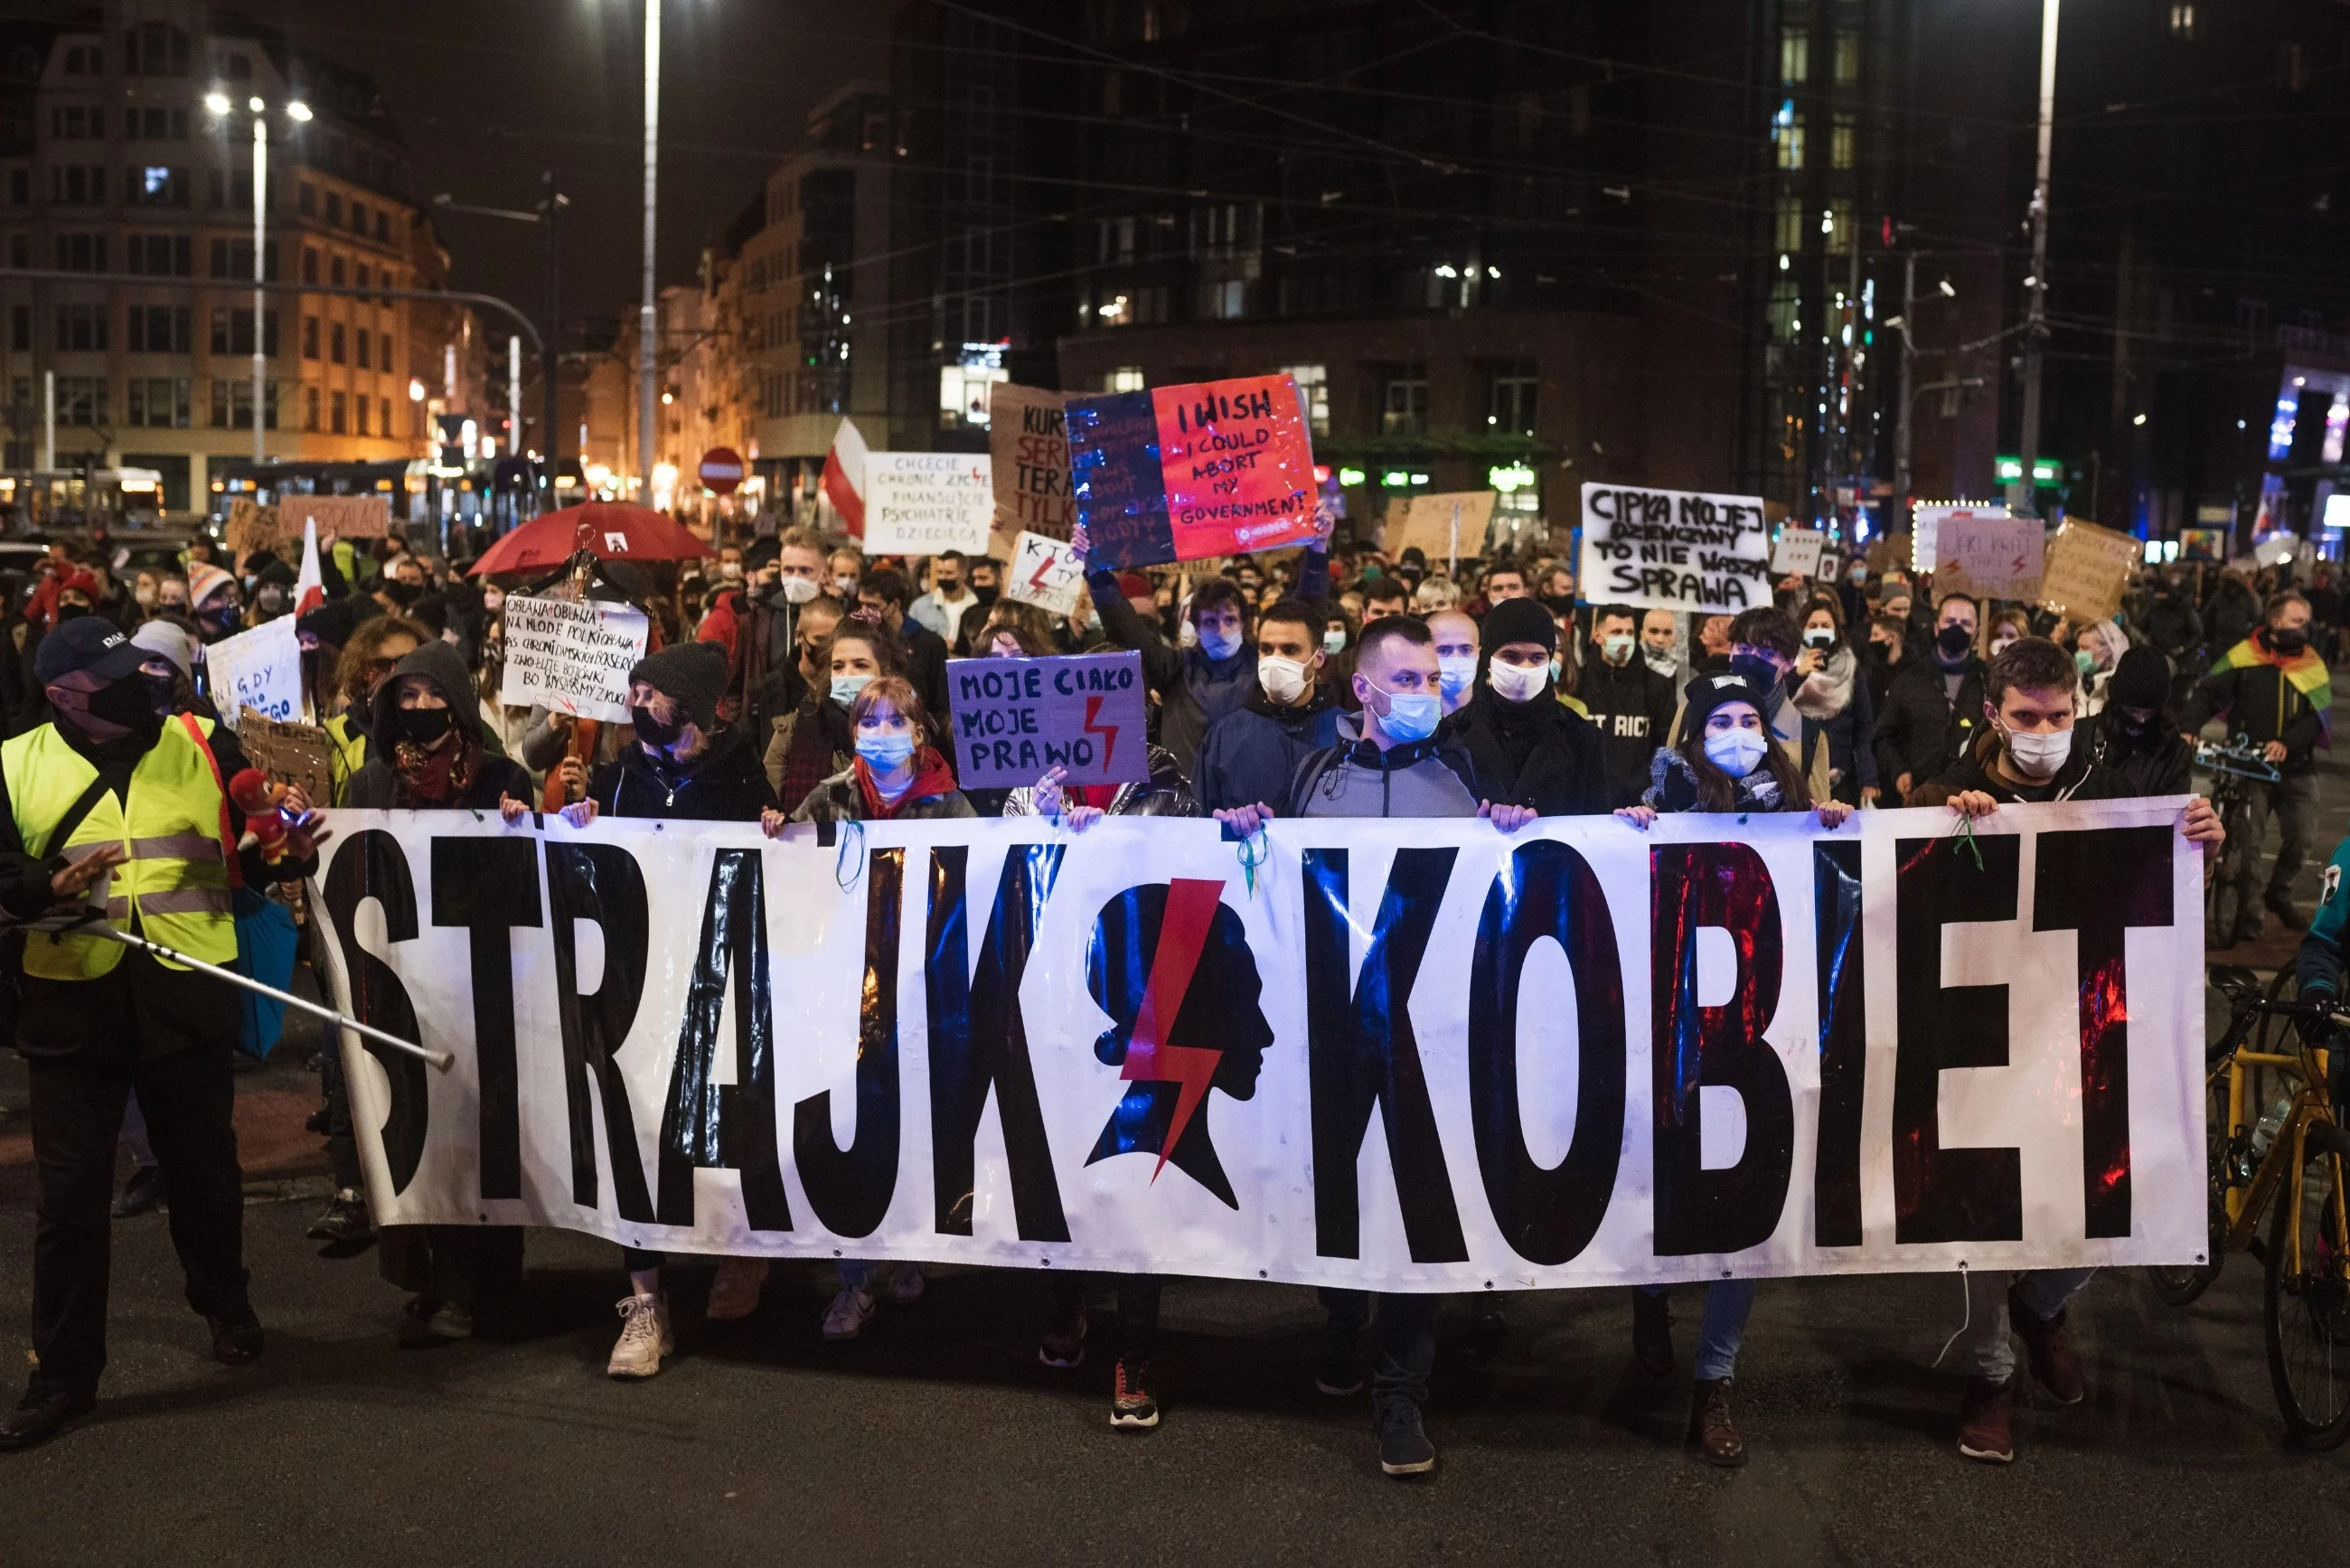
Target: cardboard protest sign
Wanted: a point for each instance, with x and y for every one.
(2087, 568)
(1674, 549)
(1045, 573)
(1796, 552)
(1028, 449)
(249, 526)
(1889, 552)
(1193, 472)
(1429, 522)
(344, 516)
(572, 657)
(290, 754)
(261, 669)
(1988, 553)
(1926, 521)
(1016, 718)
(927, 503)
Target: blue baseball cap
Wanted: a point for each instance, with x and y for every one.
(90, 643)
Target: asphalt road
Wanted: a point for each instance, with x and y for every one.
(938, 1436)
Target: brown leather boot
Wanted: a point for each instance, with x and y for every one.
(1986, 1424)
(1711, 1427)
(2049, 1350)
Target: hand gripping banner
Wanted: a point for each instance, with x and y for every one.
(1405, 1055)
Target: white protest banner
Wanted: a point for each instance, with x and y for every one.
(1045, 573)
(1419, 1055)
(2087, 569)
(1796, 552)
(571, 657)
(1014, 717)
(261, 669)
(925, 503)
(1991, 555)
(1674, 549)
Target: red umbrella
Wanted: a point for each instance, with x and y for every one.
(612, 529)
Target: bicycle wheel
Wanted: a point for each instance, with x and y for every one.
(2222, 905)
(2180, 1283)
(2307, 1303)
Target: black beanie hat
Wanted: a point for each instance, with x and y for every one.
(1518, 621)
(1707, 692)
(691, 674)
(2142, 679)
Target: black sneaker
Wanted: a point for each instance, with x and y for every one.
(315, 1122)
(1404, 1447)
(236, 1337)
(1652, 1333)
(344, 1221)
(42, 1416)
(1064, 1344)
(1131, 1406)
(142, 1194)
(1339, 1373)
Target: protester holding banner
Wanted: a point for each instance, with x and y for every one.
(2275, 689)
(1933, 707)
(1398, 767)
(1250, 753)
(138, 793)
(1529, 748)
(1830, 692)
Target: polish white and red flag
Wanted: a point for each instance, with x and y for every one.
(311, 586)
(844, 477)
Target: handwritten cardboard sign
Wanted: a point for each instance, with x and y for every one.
(1989, 554)
(1427, 521)
(927, 503)
(2087, 568)
(1028, 449)
(1193, 472)
(1045, 573)
(290, 754)
(1016, 718)
(572, 657)
(1796, 552)
(260, 670)
(342, 516)
(1674, 549)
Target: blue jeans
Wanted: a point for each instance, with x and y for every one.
(1719, 1327)
(1983, 1349)
(1406, 1341)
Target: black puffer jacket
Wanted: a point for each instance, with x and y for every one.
(725, 783)
(1631, 708)
(1540, 754)
(1921, 731)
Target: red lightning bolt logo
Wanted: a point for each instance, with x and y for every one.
(1036, 583)
(1191, 907)
(1109, 732)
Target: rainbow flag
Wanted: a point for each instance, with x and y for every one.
(2306, 671)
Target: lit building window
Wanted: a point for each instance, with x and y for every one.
(1794, 57)
(1848, 59)
(1313, 386)
(1125, 378)
(1789, 228)
(1843, 143)
(1787, 136)
(2182, 21)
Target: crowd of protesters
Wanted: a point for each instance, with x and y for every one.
(793, 679)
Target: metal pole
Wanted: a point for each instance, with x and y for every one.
(513, 394)
(2024, 497)
(1909, 363)
(260, 297)
(551, 437)
(49, 421)
(647, 331)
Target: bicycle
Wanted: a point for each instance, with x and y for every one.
(2289, 1165)
(2235, 767)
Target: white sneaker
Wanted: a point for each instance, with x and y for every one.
(735, 1293)
(645, 1337)
(849, 1311)
(906, 1287)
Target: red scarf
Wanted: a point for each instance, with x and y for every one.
(932, 777)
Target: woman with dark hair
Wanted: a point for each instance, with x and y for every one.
(1829, 688)
(1726, 761)
(373, 650)
(2138, 735)
(817, 740)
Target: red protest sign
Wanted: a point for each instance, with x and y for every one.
(1238, 463)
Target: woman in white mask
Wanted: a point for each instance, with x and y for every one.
(1726, 761)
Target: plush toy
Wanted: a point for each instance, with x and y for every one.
(278, 830)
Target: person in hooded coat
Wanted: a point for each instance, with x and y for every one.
(1529, 748)
(2136, 737)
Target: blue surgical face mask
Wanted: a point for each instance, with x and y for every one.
(884, 751)
(1219, 644)
(1410, 715)
(1455, 673)
(845, 688)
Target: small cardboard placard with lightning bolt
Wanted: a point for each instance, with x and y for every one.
(1045, 573)
(1016, 718)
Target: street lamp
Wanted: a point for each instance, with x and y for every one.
(545, 215)
(2035, 336)
(648, 330)
(300, 113)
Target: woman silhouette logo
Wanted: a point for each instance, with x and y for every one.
(1171, 966)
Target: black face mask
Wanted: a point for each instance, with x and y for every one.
(422, 727)
(1953, 642)
(399, 593)
(128, 703)
(72, 612)
(652, 731)
(984, 593)
(1756, 668)
(2291, 641)
(163, 692)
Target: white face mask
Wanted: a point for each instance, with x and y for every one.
(798, 590)
(1284, 679)
(1514, 683)
(1189, 636)
(1735, 752)
(2038, 757)
(732, 571)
